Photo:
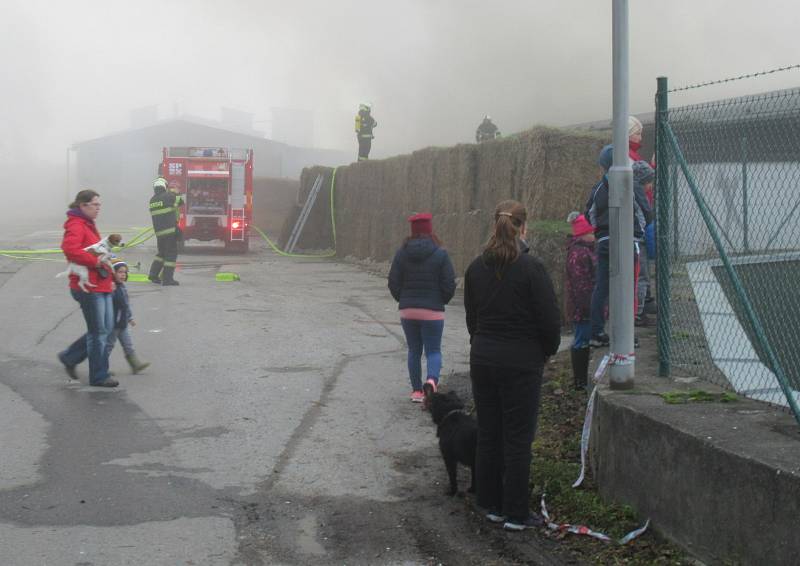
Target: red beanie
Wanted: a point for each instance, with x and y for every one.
(421, 223)
(581, 226)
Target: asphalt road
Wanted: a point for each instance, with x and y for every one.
(273, 426)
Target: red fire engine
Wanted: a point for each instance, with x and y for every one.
(216, 189)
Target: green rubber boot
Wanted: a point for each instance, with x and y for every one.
(136, 364)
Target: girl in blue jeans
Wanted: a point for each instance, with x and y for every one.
(422, 280)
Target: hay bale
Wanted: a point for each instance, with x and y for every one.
(549, 170)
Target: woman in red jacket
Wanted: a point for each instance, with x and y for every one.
(96, 304)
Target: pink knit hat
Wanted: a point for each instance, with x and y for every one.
(581, 226)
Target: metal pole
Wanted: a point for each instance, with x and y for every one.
(620, 207)
(665, 174)
(67, 184)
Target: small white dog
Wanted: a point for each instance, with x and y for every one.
(103, 250)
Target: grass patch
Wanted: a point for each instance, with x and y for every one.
(697, 396)
(556, 465)
(550, 227)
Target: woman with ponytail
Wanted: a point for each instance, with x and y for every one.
(514, 326)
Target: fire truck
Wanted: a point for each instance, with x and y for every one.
(216, 189)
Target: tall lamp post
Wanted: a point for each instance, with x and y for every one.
(620, 206)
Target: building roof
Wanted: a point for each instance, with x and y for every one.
(184, 120)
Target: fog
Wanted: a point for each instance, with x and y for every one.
(431, 68)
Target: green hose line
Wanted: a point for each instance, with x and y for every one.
(279, 251)
(137, 240)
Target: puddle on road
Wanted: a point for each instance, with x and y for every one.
(307, 536)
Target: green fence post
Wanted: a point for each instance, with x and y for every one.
(745, 219)
(663, 219)
(772, 361)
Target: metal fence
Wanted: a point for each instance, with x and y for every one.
(728, 234)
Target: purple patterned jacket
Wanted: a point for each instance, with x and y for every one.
(581, 267)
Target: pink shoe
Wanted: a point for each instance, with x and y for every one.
(430, 386)
(417, 397)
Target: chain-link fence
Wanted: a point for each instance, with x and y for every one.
(728, 233)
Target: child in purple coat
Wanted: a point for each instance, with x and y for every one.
(581, 266)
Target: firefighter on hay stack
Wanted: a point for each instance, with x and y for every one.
(364, 126)
(487, 130)
(163, 208)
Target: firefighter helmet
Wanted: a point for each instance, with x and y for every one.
(365, 106)
(161, 182)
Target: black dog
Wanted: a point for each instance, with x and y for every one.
(457, 432)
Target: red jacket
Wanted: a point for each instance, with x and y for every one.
(80, 232)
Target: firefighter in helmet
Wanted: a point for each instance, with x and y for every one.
(163, 209)
(364, 126)
(486, 130)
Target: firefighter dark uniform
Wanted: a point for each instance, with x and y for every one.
(364, 126)
(486, 130)
(163, 210)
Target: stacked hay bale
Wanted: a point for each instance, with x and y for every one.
(548, 169)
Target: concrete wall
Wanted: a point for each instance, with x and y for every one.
(550, 170)
(722, 480)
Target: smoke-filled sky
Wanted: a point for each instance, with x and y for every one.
(431, 68)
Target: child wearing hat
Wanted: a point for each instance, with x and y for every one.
(422, 280)
(123, 316)
(581, 267)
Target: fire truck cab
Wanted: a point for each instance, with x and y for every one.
(216, 189)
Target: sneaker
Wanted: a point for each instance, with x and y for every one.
(635, 341)
(69, 369)
(533, 521)
(494, 517)
(599, 340)
(107, 382)
(166, 283)
(430, 386)
(417, 397)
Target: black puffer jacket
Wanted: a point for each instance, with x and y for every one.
(512, 313)
(422, 276)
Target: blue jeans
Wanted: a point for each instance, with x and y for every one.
(600, 293)
(125, 339)
(98, 312)
(583, 333)
(427, 335)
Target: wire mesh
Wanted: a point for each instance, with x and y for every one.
(729, 235)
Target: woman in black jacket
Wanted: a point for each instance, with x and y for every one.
(422, 280)
(514, 325)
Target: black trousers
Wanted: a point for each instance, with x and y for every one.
(507, 405)
(364, 145)
(163, 266)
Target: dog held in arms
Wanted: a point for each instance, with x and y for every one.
(103, 250)
(457, 432)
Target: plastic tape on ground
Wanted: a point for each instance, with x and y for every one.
(607, 361)
(586, 531)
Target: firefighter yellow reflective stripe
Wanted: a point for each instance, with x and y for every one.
(170, 264)
(158, 259)
(165, 231)
(160, 211)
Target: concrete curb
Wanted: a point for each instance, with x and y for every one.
(722, 480)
